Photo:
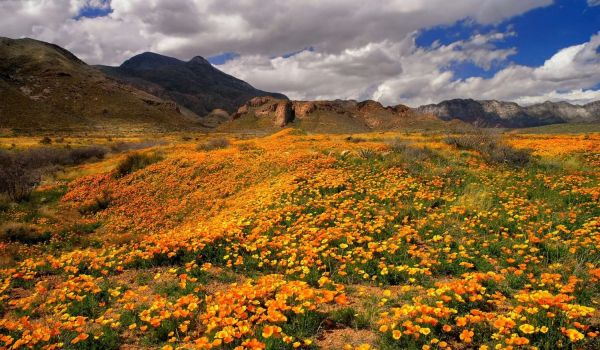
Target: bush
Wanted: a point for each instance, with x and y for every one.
(21, 171)
(411, 152)
(214, 144)
(492, 148)
(22, 233)
(355, 139)
(79, 155)
(46, 140)
(367, 153)
(136, 161)
(134, 146)
(101, 202)
(18, 177)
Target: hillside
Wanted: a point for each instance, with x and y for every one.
(492, 113)
(195, 84)
(339, 116)
(290, 241)
(45, 87)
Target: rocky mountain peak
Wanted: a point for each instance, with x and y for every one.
(150, 60)
(199, 60)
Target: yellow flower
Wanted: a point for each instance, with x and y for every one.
(574, 335)
(396, 334)
(527, 328)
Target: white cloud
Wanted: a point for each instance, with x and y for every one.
(361, 50)
(593, 2)
(402, 72)
(186, 28)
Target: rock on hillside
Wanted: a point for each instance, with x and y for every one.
(344, 116)
(45, 87)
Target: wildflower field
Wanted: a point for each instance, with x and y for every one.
(296, 241)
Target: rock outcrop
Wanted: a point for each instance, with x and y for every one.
(337, 115)
(284, 113)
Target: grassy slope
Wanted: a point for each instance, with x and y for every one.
(50, 89)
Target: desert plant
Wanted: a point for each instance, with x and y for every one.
(136, 161)
(355, 139)
(18, 176)
(133, 146)
(367, 153)
(46, 140)
(491, 147)
(21, 171)
(214, 144)
(410, 152)
(22, 233)
(101, 202)
(79, 155)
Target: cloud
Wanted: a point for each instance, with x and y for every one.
(593, 2)
(185, 28)
(357, 50)
(366, 71)
(402, 72)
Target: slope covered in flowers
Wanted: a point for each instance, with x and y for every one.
(291, 241)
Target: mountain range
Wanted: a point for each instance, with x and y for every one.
(492, 113)
(194, 84)
(45, 87)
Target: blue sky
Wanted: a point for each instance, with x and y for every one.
(539, 34)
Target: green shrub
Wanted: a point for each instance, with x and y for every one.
(136, 161)
(22, 233)
(214, 144)
(367, 153)
(99, 204)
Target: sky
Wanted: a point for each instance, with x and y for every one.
(412, 52)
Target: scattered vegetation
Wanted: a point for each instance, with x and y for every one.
(214, 144)
(410, 152)
(136, 161)
(21, 171)
(355, 139)
(22, 233)
(491, 147)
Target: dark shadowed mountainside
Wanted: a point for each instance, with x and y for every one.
(195, 84)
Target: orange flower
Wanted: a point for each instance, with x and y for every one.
(466, 335)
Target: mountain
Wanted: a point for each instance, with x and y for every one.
(492, 113)
(339, 116)
(45, 87)
(194, 84)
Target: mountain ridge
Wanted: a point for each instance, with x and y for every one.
(46, 87)
(195, 84)
(495, 113)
